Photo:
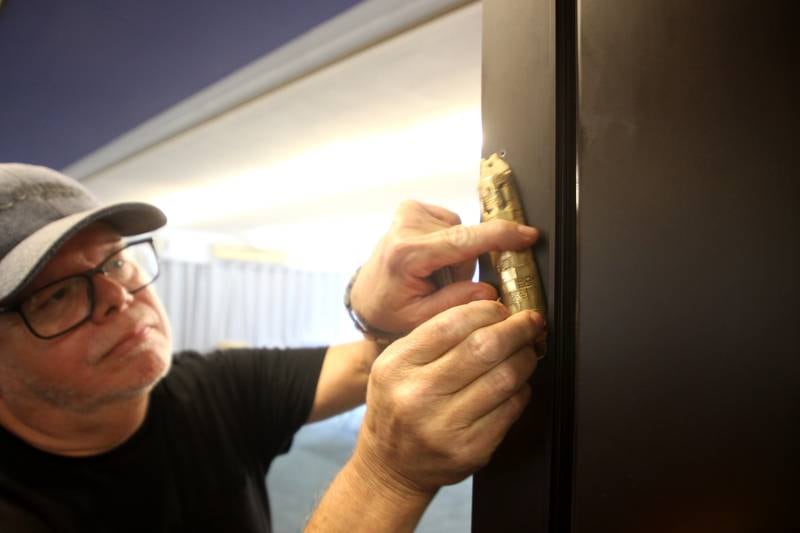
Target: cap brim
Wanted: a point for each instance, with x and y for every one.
(26, 259)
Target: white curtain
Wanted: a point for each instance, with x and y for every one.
(253, 304)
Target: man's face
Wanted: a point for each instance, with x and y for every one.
(119, 353)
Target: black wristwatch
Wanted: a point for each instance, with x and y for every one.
(380, 337)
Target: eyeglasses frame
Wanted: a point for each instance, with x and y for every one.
(88, 275)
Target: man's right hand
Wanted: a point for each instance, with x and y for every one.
(441, 399)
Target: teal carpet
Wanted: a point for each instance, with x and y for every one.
(298, 479)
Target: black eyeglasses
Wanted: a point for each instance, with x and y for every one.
(64, 304)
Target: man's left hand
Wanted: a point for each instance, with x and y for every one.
(394, 291)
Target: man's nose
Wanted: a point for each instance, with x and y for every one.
(109, 297)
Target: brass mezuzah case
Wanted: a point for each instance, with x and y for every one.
(520, 283)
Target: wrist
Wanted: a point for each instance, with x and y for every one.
(383, 477)
(387, 493)
(359, 501)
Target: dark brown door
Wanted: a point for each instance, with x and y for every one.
(670, 399)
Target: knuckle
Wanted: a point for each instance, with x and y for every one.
(504, 379)
(464, 463)
(408, 205)
(396, 253)
(406, 211)
(395, 247)
(446, 325)
(403, 402)
(442, 326)
(474, 457)
(458, 236)
(386, 373)
(484, 346)
(378, 375)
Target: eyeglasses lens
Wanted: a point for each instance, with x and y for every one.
(63, 305)
(133, 267)
(58, 307)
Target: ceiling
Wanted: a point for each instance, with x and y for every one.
(312, 167)
(75, 75)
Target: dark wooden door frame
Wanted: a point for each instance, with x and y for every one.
(528, 106)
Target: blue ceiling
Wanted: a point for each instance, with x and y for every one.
(75, 75)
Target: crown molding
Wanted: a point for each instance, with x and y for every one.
(357, 29)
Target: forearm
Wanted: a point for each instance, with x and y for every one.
(343, 379)
(359, 501)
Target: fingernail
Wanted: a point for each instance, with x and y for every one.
(485, 292)
(528, 231)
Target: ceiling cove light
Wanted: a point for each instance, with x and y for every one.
(439, 146)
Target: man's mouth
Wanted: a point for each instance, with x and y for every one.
(129, 342)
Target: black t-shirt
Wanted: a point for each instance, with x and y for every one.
(198, 463)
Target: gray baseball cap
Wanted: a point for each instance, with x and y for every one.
(40, 209)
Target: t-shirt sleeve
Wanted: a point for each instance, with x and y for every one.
(18, 520)
(258, 397)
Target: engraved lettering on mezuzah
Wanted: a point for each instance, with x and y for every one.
(520, 283)
(505, 263)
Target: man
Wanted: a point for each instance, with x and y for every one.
(102, 430)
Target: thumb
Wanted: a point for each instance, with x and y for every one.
(458, 293)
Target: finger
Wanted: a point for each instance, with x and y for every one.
(483, 350)
(488, 432)
(461, 243)
(494, 388)
(445, 215)
(446, 330)
(465, 270)
(458, 293)
(496, 423)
